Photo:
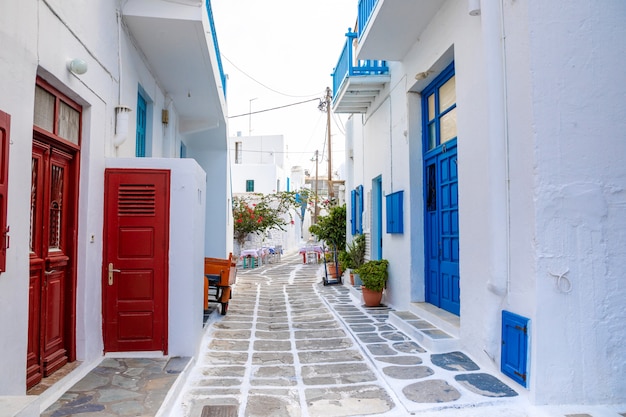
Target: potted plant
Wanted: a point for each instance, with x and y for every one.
(332, 230)
(374, 277)
(354, 257)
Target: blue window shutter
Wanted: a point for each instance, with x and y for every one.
(395, 216)
(514, 354)
(353, 211)
(359, 226)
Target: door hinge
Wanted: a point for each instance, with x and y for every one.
(521, 329)
(523, 376)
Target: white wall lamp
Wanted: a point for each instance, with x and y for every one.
(422, 75)
(473, 7)
(77, 66)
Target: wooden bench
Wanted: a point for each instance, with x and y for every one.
(219, 274)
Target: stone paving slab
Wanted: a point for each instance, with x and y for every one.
(120, 387)
(313, 351)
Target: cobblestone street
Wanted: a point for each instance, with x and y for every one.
(290, 346)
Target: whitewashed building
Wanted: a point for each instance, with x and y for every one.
(112, 117)
(258, 164)
(486, 162)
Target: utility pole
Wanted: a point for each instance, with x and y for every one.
(315, 208)
(331, 191)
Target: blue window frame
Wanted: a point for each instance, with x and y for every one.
(356, 198)
(395, 216)
(140, 145)
(514, 354)
(439, 110)
(249, 186)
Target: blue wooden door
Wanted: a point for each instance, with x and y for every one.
(140, 148)
(441, 222)
(442, 230)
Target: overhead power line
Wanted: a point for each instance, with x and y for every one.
(263, 85)
(273, 108)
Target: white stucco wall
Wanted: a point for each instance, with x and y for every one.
(579, 121)
(186, 248)
(541, 174)
(38, 38)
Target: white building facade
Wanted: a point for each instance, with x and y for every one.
(486, 164)
(258, 165)
(125, 135)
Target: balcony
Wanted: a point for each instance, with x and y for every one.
(179, 43)
(356, 84)
(389, 28)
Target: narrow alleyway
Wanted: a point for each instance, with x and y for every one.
(290, 346)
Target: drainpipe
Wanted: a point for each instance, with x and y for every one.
(493, 38)
(121, 112)
(492, 22)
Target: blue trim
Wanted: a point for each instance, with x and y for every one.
(377, 218)
(346, 68)
(395, 213)
(216, 45)
(140, 137)
(249, 186)
(440, 188)
(514, 353)
(366, 7)
(359, 224)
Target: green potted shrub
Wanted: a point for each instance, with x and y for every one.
(354, 257)
(374, 277)
(332, 230)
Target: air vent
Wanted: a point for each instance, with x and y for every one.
(136, 200)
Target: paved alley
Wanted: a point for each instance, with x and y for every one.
(290, 346)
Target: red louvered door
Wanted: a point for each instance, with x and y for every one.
(135, 264)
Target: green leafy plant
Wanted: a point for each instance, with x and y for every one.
(332, 227)
(355, 252)
(374, 274)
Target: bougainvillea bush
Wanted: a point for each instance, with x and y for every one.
(259, 213)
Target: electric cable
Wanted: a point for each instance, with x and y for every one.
(265, 86)
(272, 108)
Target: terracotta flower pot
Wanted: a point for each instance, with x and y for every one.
(371, 298)
(333, 271)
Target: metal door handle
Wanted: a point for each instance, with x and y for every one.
(111, 270)
(52, 271)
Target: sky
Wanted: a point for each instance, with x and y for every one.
(280, 52)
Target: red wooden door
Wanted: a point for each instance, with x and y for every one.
(52, 226)
(135, 263)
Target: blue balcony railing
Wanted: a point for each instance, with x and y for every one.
(217, 47)
(347, 67)
(366, 7)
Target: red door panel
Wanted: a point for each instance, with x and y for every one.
(52, 220)
(34, 371)
(135, 267)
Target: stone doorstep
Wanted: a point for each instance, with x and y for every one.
(19, 406)
(427, 334)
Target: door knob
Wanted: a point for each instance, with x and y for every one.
(111, 270)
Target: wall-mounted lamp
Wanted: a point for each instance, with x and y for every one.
(165, 116)
(473, 7)
(77, 66)
(422, 75)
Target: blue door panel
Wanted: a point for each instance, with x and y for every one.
(442, 232)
